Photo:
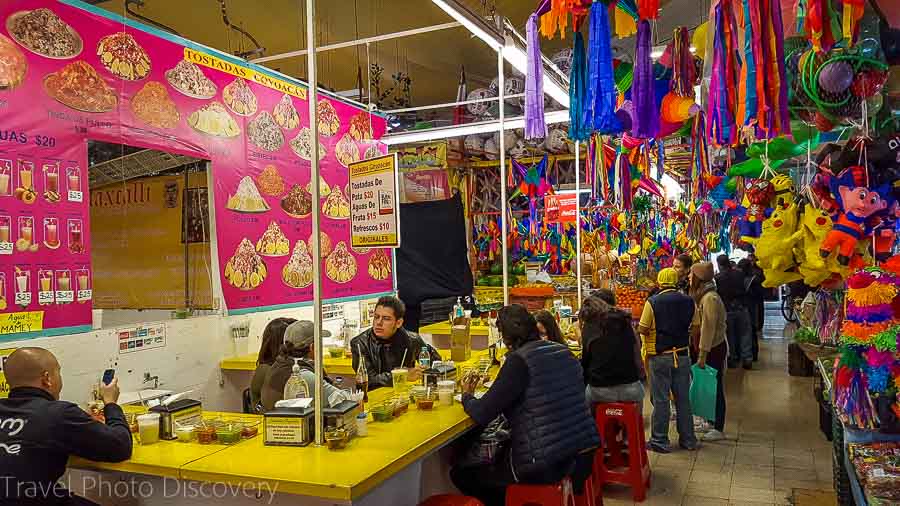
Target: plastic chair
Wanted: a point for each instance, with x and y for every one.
(636, 473)
(451, 500)
(559, 494)
(589, 496)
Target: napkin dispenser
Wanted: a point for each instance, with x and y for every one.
(288, 426)
(342, 416)
(439, 372)
(175, 414)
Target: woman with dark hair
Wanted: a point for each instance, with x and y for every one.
(552, 434)
(272, 339)
(548, 328)
(608, 353)
(297, 348)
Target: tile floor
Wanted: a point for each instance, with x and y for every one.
(773, 445)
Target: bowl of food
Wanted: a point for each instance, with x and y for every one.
(186, 433)
(336, 439)
(383, 412)
(425, 400)
(336, 352)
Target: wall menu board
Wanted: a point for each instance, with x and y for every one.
(73, 72)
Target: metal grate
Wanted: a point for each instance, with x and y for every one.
(142, 163)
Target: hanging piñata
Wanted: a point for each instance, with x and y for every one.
(646, 113)
(600, 114)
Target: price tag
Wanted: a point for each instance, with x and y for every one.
(23, 299)
(65, 296)
(85, 295)
(6, 248)
(45, 298)
(75, 196)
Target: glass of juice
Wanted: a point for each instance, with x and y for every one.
(73, 175)
(5, 223)
(51, 232)
(46, 280)
(6, 182)
(51, 182)
(400, 376)
(26, 230)
(26, 173)
(63, 281)
(75, 244)
(23, 278)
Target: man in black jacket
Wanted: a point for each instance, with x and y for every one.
(730, 283)
(38, 432)
(384, 345)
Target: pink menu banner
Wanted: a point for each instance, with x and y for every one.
(73, 72)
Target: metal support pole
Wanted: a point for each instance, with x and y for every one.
(501, 81)
(316, 251)
(578, 219)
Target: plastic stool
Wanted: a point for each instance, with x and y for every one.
(637, 472)
(589, 496)
(451, 500)
(559, 494)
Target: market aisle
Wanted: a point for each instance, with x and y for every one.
(774, 445)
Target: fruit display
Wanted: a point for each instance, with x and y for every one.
(247, 198)
(630, 297)
(273, 242)
(246, 269)
(298, 271)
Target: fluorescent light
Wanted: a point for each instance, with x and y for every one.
(472, 22)
(656, 53)
(482, 127)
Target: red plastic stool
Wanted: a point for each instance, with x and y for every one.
(559, 494)
(451, 500)
(589, 496)
(637, 472)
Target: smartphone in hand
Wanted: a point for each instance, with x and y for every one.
(108, 376)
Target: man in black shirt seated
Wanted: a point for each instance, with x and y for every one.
(383, 345)
(38, 432)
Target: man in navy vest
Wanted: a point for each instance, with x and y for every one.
(668, 315)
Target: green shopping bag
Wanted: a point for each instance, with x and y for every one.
(703, 392)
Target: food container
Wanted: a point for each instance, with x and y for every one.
(336, 352)
(383, 412)
(336, 439)
(401, 405)
(206, 434)
(416, 391)
(445, 391)
(229, 434)
(362, 428)
(425, 400)
(249, 431)
(186, 433)
(148, 428)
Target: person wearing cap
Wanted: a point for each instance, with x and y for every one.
(708, 332)
(667, 317)
(298, 344)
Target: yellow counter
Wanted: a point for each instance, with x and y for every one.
(443, 329)
(342, 475)
(335, 366)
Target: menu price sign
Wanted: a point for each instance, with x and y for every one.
(6, 248)
(374, 216)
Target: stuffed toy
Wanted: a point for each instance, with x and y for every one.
(758, 195)
(774, 247)
(857, 204)
(784, 190)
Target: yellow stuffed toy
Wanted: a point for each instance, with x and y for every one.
(784, 191)
(774, 247)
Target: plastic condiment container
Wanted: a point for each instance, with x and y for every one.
(362, 428)
(206, 435)
(229, 434)
(148, 428)
(383, 412)
(445, 391)
(186, 433)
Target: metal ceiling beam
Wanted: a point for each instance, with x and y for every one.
(360, 42)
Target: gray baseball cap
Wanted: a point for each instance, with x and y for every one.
(301, 333)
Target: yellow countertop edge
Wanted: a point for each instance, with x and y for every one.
(125, 467)
(335, 492)
(248, 363)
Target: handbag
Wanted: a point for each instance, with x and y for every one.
(488, 447)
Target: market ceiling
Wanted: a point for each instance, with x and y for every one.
(431, 60)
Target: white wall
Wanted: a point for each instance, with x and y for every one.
(190, 359)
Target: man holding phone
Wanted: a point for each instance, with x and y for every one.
(38, 432)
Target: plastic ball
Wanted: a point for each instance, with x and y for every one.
(480, 109)
(474, 144)
(563, 61)
(874, 104)
(698, 40)
(823, 124)
(556, 141)
(836, 77)
(625, 114)
(868, 83)
(490, 150)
